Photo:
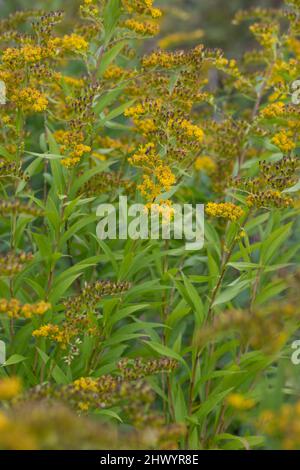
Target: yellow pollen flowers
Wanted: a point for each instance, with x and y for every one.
(74, 42)
(30, 100)
(144, 28)
(226, 210)
(14, 309)
(283, 141)
(192, 131)
(55, 333)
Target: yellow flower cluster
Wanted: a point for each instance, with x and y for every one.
(146, 156)
(280, 70)
(294, 45)
(240, 402)
(54, 333)
(145, 126)
(269, 198)
(283, 141)
(142, 7)
(10, 387)
(145, 28)
(86, 383)
(161, 181)
(266, 34)
(75, 156)
(226, 210)
(205, 164)
(14, 309)
(273, 110)
(228, 66)
(162, 59)
(192, 131)
(135, 111)
(74, 42)
(114, 72)
(30, 100)
(72, 145)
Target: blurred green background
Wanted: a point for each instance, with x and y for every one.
(213, 16)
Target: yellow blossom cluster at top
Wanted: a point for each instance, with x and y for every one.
(142, 7)
(265, 33)
(14, 309)
(30, 100)
(226, 210)
(13, 57)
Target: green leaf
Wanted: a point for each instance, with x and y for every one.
(14, 359)
(231, 292)
(109, 56)
(165, 351)
(111, 16)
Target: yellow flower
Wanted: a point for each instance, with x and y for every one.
(266, 34)
(83, 406)
(32, 53)
(74, 42)
(30, 100)
(273, 110)
(145, 28)
(135, 111)
(12, 58)
(227, 210)
(240, 402)
(61, 335)
(282, 140)
(14, 309)
(192, 131)
(86, 383)
(10, 387)
(205, 164)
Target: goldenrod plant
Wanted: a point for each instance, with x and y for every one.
(139, 342)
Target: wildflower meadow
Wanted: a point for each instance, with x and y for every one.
(113, 334)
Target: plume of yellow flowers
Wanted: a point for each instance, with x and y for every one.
(30, 100)
(14, 309)
(226, 210)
